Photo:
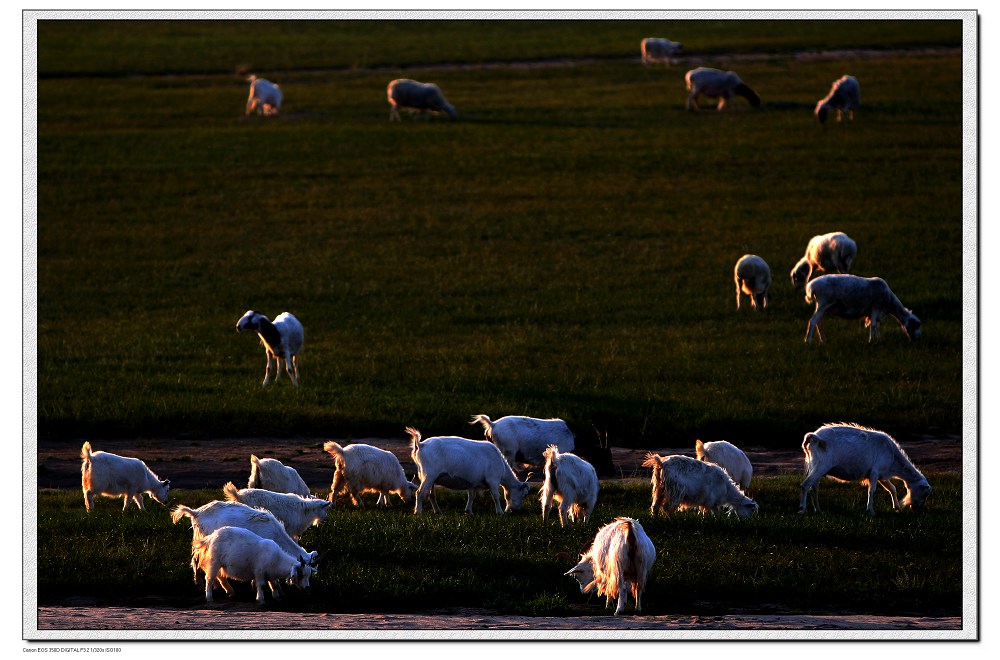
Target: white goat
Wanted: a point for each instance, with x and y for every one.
(682, 481)
(464, 464)
(413, 95)
(265, 96)
(271, 474)
(658, 50)
(844, 96)
(570, 482)
(617, 562)
(831, 253)
(723, 85)
(848, 452)
(525, 439)
(363, 468)
(753, 277)
(851, 297)
(239, 554)
(112, 475)
(295, 512)
(729, 457)
(282, 342)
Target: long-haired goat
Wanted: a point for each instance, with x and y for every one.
(851, 297)
(524, 439)
(571, 483)
(830, 253)
(271, 474)
(729, 457)
(713, 83)
(282, 342)
(617, 562)
(112, 475)
(295, 512)
(682, 481)
(363, 468)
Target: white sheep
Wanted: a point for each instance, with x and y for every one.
(658, 50)
(265, 96)
(295, 512)
(418, 96)
(831, 253)
(112, 475)
(239, 554)
(729, 457)
(363, 468)
(844, 96)
(849, 452)
(571, 483)
(282, 342)
(467, 465)
(271, 474)
(617, 562)
(851, 297)
(682, 481)
(753, 278)
(723, 85)
(524, 439)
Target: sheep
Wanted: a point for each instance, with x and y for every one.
(239, 554)
(832, 253)
(727, 456)
(852, 297)
(713, 83)
(849, 452)
(617, 562)
(753, 277)
(405, 93)
(294, 512)
(112, 475)
(464, 464)
(570, 482)
(682, 481)
(844, 96)
(525, 439)
(658, 50)
(265, 96)
(363, 468)
(282, 342)
(271, 474)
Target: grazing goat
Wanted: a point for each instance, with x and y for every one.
(112, 475)
(848, 452)
(831, 253)
(570, 482)
(844, 96)
(682, 481)
(364, 468)
(617, 562)
(295, 512)
(753, 277)
(265, 96)
(282, 342)
(271, 474)
(464, 464)
(851, 297)
(729, 457)
(524, 439)
(239, 554)
(413, 95)
(658, 50)
(723, 85)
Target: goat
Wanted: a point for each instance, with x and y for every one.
(658, 50)
(282, 342)
(363, 468)
(682, 481)
(722, 85)
(851, 297)
(525, 439)
(832, 253)
(849, 452)
(844, 96)
(753, 277)
(570, 482)
(617, 562)
(413, 95)
(294, 512)
(729, 457)
(271, 474)
(265, 96)
(112, 475)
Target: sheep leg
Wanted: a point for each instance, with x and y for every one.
(814, 325)
(722, 103)
(810, 484)
(295, 366)
(268, 376)
(738, 288)
(891, 488)
(422, 492)
(127, 499)
(137, 498)
(692, 100)
(259, 584)
(637, 595)
(622, 599)
(546, 504)
(88, 500)
(210, 574)
(563, 512)
(494, 492)
(288, 370)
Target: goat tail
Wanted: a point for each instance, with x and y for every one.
(652, 461)
(486, 422)
(551, 469)
(86, 451)
(180, 511)
(230, 490)
(414, 442)
(699, 449)
(335, 451)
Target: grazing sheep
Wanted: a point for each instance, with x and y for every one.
(682, 481)
(722, 85)
(848, 452)
(851, 297)
(112, 475)
(524, 439)
(570, 482)
(271, 474)
(617, 562)
(363, 468)
(753, 277)
(265, 96)
(844, 96)
(729, 457)
(658, 50)
(282, 342)
(295, 512)
(832, 253)
(418, 96)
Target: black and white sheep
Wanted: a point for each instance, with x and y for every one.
(844, 96)
(830, 253)
(282, 340)
(713, 83)
(753, 278)
(413, 95)
(852, 297)
(265, 96)
(658, 50)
